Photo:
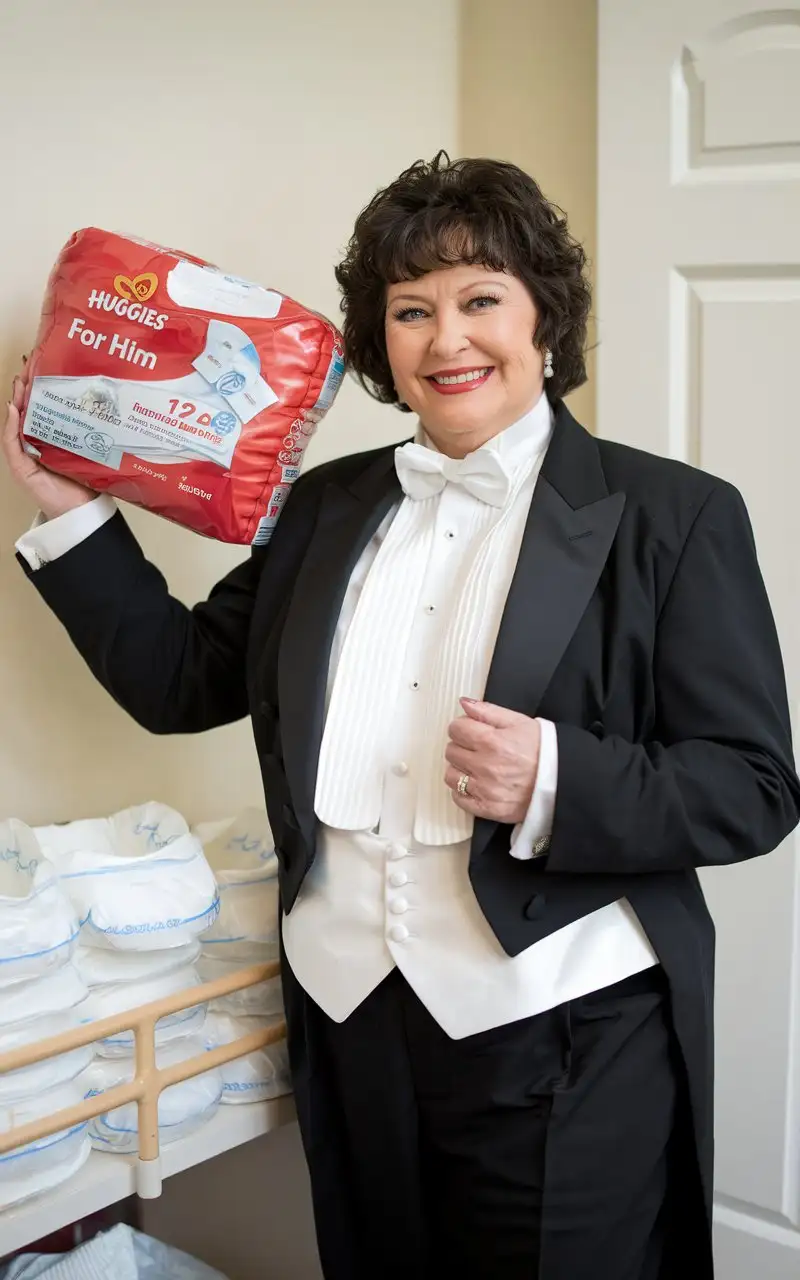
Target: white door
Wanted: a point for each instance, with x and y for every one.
(699, 359)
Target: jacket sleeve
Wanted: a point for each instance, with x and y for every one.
(173, 669)
(717, 783)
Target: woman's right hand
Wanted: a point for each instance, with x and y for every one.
(54, 495)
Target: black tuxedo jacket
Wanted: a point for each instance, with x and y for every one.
(637, 621)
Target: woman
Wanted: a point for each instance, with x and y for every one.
(510, 686)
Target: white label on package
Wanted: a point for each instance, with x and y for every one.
(100, 418)
(205, 289)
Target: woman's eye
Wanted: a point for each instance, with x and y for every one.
(483, 302)
(409, 313)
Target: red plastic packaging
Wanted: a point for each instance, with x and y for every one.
(162, 381)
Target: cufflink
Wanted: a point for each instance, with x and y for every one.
(541, 846)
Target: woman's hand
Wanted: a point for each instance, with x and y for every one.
(498, 750)
(53, 494)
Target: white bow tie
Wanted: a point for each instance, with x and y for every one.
(423, 473)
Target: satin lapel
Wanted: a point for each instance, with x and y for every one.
(347, 519)
(568, 535)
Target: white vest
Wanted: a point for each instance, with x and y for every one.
(389, 885)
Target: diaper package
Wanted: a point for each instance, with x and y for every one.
(139, 881)
(38, 926)
(241, 853)
(33, 1011)
(257, 1077)
(99, 967)
(119, 997)
(164, 382)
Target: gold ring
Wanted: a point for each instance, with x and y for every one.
(463, 783)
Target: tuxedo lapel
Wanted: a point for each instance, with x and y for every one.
(571, 526)
(348, 518)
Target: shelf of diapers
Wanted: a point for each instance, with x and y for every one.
(106, 1179)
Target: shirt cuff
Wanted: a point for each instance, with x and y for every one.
(531, 838)
(46, 540)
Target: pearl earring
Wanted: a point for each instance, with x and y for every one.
(548, 363)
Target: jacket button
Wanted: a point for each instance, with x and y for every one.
(536, 907)
(265, 708)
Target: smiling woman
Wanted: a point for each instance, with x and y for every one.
(464, 270)
(462, 353)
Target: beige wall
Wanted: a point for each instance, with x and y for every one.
(250, 133)
(529, 94)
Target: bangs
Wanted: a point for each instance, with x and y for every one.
(443, 237)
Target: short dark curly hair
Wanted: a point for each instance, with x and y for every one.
(476, 211)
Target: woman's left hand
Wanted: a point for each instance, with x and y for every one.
(498, 750)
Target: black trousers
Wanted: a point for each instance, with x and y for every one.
(543, 1149)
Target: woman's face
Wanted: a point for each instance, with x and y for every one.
(470, 324)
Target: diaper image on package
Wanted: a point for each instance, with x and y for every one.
(182, 1107)
(139, 880)
(164, 382)
(38, 926)
(241, 854)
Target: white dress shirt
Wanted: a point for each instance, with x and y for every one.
(389, 885)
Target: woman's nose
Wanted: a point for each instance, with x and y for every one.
(449, 337)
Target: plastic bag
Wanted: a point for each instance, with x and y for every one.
(264, 1000)
(41, 1165)
(182, 1107)
(121, 1252)
(140, 389)
(104, 1002)
(38, 926)
(138, 880)
(257, 1076)
(241, 853)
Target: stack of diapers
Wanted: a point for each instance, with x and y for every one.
(241, 853)
(160, 380)
(144, 892)
(102, 915)
(41, 995)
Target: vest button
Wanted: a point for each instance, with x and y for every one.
(398, 933)
(399, 907)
